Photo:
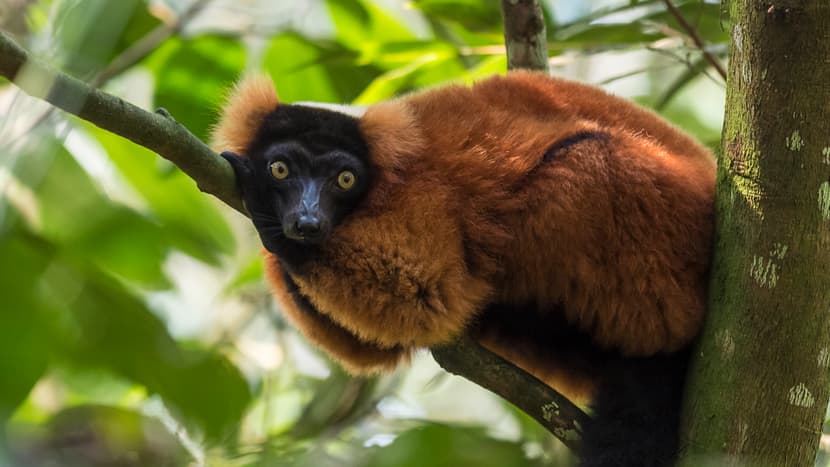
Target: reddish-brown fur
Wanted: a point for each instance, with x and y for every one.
(615, 229)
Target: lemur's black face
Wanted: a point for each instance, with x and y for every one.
(310, 192)
(305, 171)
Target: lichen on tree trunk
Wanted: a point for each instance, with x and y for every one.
(759, 387)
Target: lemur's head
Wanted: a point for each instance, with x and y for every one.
(305, 170)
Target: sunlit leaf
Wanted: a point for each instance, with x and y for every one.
(187, 218)
(92, 32)
(440, 71)
(496, 64)
(396, 54)
(119, 333)
(193, 75)
(24, 336)
(587, 36)
(305, 70)
(456, 34)
(83, 234)
(360, 24)
(76, 215)
(394, 82)
(475, 15)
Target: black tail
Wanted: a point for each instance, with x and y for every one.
(636, 414)
(636, 410)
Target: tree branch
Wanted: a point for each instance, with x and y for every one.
(695, 37)
(466, 357)
(524, 34)
(158, 131)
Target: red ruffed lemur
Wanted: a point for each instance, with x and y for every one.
(567, 229)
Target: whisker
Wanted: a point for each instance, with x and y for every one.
(265, 217)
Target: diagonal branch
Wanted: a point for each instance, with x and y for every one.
(695, 37)
(160, 133)
(466, 357)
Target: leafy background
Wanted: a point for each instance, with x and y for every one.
(135, 328)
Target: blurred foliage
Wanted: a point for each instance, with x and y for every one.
(134, 325)
(89, 33)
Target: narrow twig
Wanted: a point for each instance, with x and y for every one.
(135, 53)
(155, 131)
(467, 358)
(147, 44)
(524, 34)
(695, 37)
(685, 61)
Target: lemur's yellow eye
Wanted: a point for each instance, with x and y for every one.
(279, 170)
(346, 180)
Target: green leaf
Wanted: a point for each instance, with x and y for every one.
(708, 20)
(689, 74)
(394, 82)
(475, 15)
(440, 71)
(606, 28)
(315, 71)
(351, 21)
(496, 64)
(193, 75)
(449, 446)
(90, 33)
(589, 35)
(396, 54)
(188, 219)
(118, 332)
(76, 215)
(363, 25)
(24, 336)
(251, 273)
(103, 325)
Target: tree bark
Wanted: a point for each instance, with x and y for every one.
(466, 358)
(759, 387)
(524, 35)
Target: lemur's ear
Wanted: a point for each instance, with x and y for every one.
(250, 189)
(241, 165)
(245, 108)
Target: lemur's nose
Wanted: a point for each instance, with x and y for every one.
(308, 226)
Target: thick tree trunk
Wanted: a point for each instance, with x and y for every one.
(760, 385)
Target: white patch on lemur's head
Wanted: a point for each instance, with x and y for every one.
(355, 111)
